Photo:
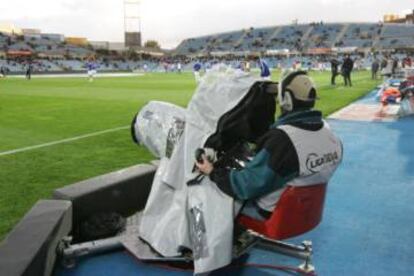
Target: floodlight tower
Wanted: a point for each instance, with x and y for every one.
(132, 23)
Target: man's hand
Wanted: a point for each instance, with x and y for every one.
(205, 167)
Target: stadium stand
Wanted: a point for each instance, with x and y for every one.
(284, 46)
(227, 41)
(323, 36)
(300, 37)
(360, 35)
(396, 42)
(194, 45)
(288, 37)
(398, 30)
(254, 39)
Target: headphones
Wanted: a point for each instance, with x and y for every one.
(285, 95)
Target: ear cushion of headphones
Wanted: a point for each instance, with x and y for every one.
(287, 103)
(280, 94)
(284, 95)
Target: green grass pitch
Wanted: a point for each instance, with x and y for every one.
(45, 110)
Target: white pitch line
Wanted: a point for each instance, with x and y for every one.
(78, 75)
(62, 141)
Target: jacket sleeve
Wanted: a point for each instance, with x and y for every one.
(272, 167)
(255, 179)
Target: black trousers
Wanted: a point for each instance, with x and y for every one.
(347, 78)
(374, 74)
(334, 74)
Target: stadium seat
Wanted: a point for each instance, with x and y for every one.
(298, 211)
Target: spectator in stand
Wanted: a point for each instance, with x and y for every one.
(334, 69)
(374, 68)
(347, 66)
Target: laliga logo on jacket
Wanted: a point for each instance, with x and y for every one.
(315, 163)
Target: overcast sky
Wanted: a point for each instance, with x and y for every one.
(169, 21)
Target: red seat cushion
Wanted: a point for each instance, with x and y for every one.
(298, 211)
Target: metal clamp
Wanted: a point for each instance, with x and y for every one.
(303, 251)
(307, 266)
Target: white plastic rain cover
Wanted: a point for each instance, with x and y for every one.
(155, 122)
(198, 217)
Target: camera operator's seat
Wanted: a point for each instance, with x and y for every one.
(298, 211)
